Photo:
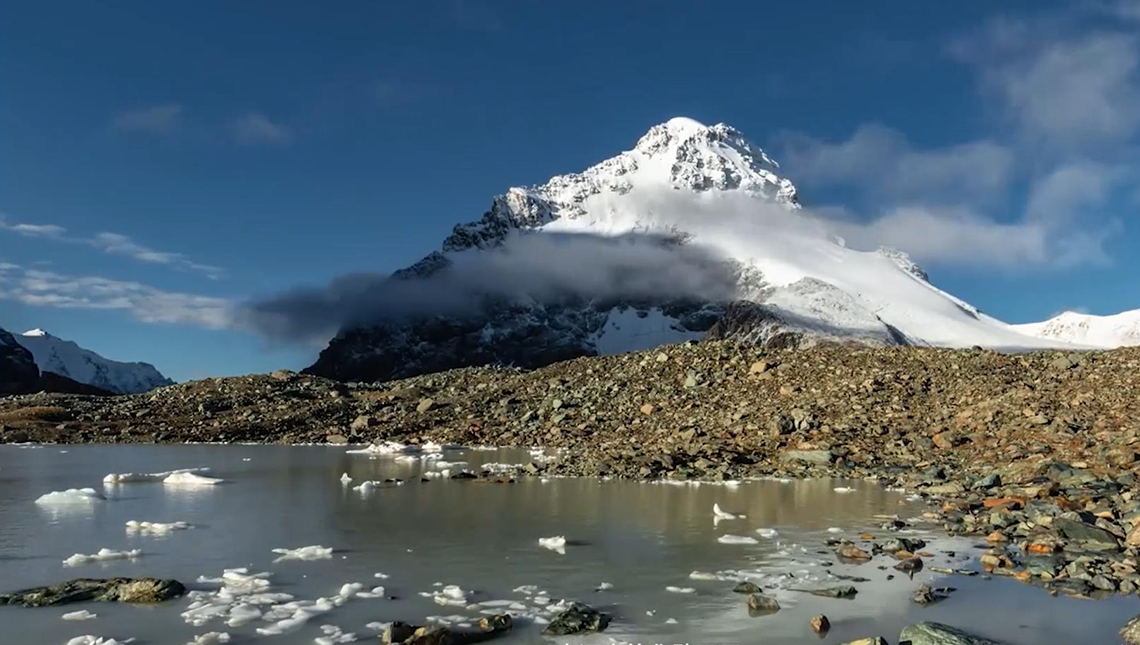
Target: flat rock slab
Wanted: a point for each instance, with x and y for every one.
(134, 590)
(930, 633)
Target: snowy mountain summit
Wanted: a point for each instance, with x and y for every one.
(1122, 329)
(700, 187)
(65, 358)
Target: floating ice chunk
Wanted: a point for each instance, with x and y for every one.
(451, 595)
(102, 556)
(155, 528)
(311, 552)
(69, 496)
(701, 575)
(736, 539)
(670, 621)
(441, 464)
(382, 576)
(88, 639)
(210, 638)
(605, 586)
(134, 478)
(190, 479)
(672, 589)
(834, 529)
(377, 626)
(719, 514)
(82, 614)
(345, 479)
(334, 635)
(767, 533)
(556, 543)
(385, 448)
(843, 489)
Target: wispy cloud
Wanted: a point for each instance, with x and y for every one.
(880, 160)
(257, 129)
(157, 119)
(115, 244)
(143, 302)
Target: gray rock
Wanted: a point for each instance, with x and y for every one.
(575, 619)
(822, 457)
(496, 624)
(424, 405)
(844, 591)
(759, 603)
(929, 633)
(397, 632)
(1130, 634)
(1071, 526)
(133, 590)
(746, 587)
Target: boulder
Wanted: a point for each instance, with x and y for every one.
(930, 633)
(133, 590)
(575, 619)
(760, 603)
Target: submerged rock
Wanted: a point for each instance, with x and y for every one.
(746, 587)
(133, 590)
(929, 633)
(845, 591)
(820, 624)
(759, 603)
(1130, 634)
(575, 619)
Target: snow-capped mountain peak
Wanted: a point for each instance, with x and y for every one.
(1087, 329)
(66, 358)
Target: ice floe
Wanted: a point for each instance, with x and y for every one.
(767, 533)
(69, 496)
(556, 543)
(88, 639)
(384, 448)
(103, 555)
(334, 635)
(834, 529)
(210, 638)
(672, 589)
(720, 515)
(82, 614)
(703, 575)
(453, 595)
(155, 528)
(843, 489)
(345, 479)
(190, 479)
(135, 478)
(736, 539)
(311, 552)
(605, 586)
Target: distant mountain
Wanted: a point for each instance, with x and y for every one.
(67, 359)
(18, 371)
(699, 185)
(1122, 329)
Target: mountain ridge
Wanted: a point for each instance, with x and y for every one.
(68, 359)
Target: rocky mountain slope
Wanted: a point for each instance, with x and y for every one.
(707, 187)
(67, 359)
(18, 371)
(1118, 330)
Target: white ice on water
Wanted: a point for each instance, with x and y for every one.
(190, 479)
(767, 533)
(135, 478)
(155, 528)
(843, 489)
(736, 539)
(69, 496)
(672, 589)
(311, 552)
(210, 638)
(556, 543)
(605, 586)
(88, 639)
(385, 448)
(82, 614)
(453, 595)
(102, 556)
(345, 479)
(720, 515)
(334, 635)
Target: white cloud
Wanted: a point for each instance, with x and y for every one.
(158, 119)
(1063, 88)
(256, 129)
(881, 161)
(143, 302)
(115, 244)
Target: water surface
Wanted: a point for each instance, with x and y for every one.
(638, 537)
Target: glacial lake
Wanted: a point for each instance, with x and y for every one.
(476, 545)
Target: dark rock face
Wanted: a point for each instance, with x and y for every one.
(133, 590)
(575, 619)
(512, 334)
(929, 633)
(18, 371)
(52, 382)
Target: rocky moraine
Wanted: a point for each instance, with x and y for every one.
(1034, 454)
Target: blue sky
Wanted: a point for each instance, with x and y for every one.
(160, 160)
